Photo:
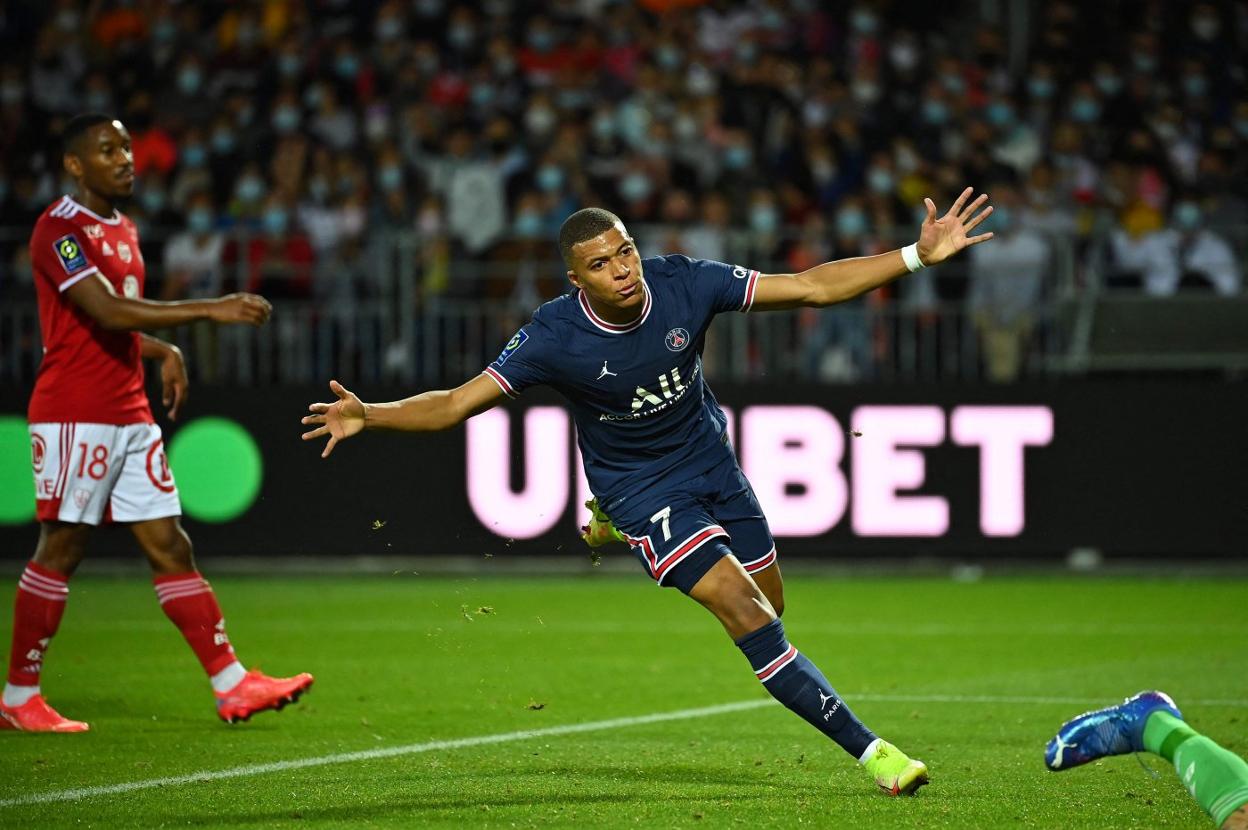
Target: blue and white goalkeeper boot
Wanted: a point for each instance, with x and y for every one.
(1114, 730)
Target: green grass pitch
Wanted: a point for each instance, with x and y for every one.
(972, 678)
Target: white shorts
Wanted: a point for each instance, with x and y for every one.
(93, 473)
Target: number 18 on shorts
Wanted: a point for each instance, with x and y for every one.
(93, 473)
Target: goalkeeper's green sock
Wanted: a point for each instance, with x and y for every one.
(1217, 778)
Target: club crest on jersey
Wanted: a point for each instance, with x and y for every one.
(70, 253)
(514, 343)
(123, 251)
(677, 339)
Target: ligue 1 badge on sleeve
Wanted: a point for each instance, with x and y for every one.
(514, 343)
(677, 339)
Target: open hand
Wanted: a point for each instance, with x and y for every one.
(339, 420)
(941, 238)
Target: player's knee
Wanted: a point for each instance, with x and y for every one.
(172, 552)
(61, 548)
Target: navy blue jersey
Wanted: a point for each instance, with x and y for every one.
(642, 409)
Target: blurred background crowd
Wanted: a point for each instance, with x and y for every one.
(415, 156)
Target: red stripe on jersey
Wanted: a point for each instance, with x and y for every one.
(497, 377)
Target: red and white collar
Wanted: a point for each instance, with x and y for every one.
(69, 207)
(616, 328)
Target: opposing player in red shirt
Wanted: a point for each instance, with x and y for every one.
(96, 450)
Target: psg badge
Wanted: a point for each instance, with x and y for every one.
(677, 339)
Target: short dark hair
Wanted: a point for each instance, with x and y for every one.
(78, 126)
(584, 224)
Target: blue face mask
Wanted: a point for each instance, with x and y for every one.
(737, 157)
(1108, 84)
(347, 66)
(194, 155)
(541, 39)
(249, 189)
(549, 178)
(286, 119)
(635, 187)
(1187, 216)
(289, 65)
(189, 80)
(164, 31)
(390, 178)
(1195, 85)
(153, 200)
(935, 113)
(1085, 110)
(667, 57)
(880, 181)
(318, 189)
(224, 142)
(482, 94)
(528, 225)
(275, 221)
(764, 219)
(851, 222)
(461, 36)
(999, 114)
(199, 220)
(1041, 88)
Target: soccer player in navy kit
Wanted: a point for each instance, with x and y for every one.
(624, 347)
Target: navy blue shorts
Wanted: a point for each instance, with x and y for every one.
(681, 528)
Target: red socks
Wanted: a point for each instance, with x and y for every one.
(187, 599)
(41, 595)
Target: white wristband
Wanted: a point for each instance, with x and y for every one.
(910, 254)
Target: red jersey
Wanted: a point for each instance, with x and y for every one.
(88, 374)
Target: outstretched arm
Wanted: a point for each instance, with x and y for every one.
(96, 297)
(844, 279)
(427, 412)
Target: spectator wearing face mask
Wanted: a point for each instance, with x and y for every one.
(1205, 259)
(1006, 287)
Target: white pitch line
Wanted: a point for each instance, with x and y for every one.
(80, 793)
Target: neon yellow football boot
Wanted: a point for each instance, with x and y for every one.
(599, 531)
(894, 772)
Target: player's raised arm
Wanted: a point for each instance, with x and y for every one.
(111, 311)
(844, 279)
(427, 412)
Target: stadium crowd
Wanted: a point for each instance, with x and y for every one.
(279, 142)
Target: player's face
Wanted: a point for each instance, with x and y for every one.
(103, 161)
(607, 267)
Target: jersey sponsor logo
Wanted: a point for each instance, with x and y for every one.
(521, 337)
(123, 251)
(739, 272)
(130, 286)
(70, 253)
(677, 339)
(95, 231)
(38, 453)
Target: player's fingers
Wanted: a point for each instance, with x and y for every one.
(965, 215)
(931, 209)
(960, 201)
(315, 433)
(975, 240)
(339, 390)
(329, 447)
(974, 222)
(319, 407)
(313, 419)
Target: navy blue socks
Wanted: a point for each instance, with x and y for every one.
(798, 684)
